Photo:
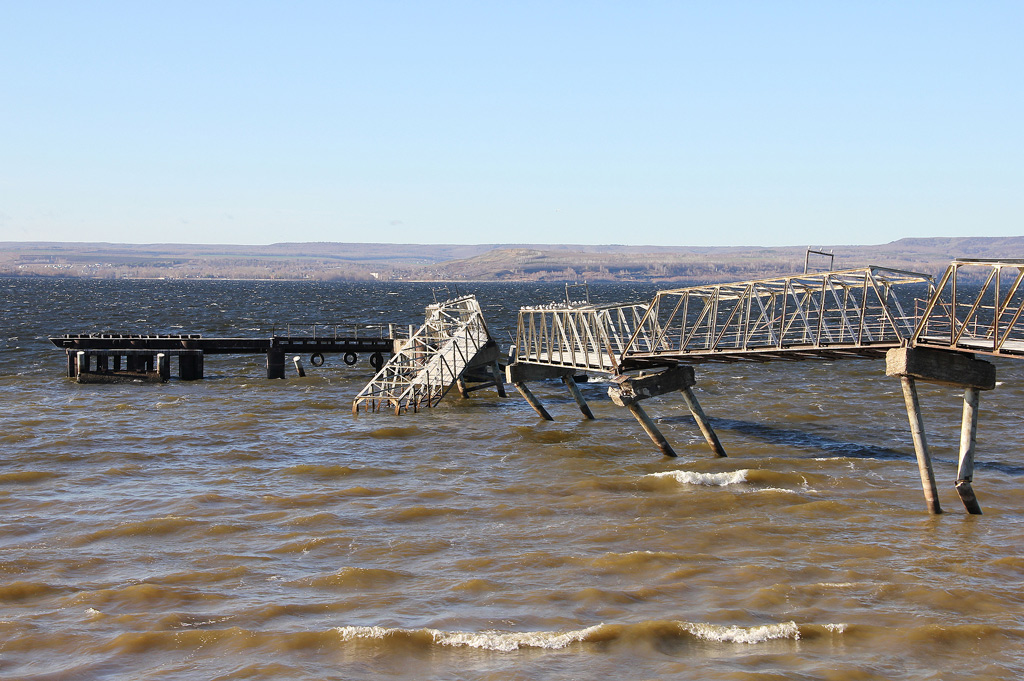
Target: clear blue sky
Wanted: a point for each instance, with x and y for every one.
(670, 123)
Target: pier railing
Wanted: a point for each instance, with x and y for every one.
(337, 331)
(978, 306)
(859, 311)
(581, 336)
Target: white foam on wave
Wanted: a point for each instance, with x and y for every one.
(486, 640)
(734, 634)
(709, 479)
(509, 641)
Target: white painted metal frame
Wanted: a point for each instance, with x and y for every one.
(582, 336)
(847, 311)
(988, 321)
(425, 368)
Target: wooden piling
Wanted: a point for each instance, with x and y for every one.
(163, 366)
(275, 362)
(702, 421)
(298, 366)
(533, 401)
(577, 394)
(924, 461)
(650, 428)
(968, 437)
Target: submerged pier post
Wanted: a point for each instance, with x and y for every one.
(628, 391)
(702, 421)
(499, 379)
(163, 366)
(577, 394)
(924, 460)
(965, 467)
(298, 366)
(650, 428)
(945, 368)
(532, 400)
(275, 362)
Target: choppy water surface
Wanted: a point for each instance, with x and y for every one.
(240, 528)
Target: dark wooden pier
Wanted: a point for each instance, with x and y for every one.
(93, 357)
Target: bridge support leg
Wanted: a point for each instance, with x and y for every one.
(924, 461)
(577, 394)
(499, 379)
(533, 401)
(702, 421)
(968, 435)
(650, 428)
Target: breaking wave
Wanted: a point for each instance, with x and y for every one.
(601, 633)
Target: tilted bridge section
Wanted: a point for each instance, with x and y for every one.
(926, 331)
(452, 343)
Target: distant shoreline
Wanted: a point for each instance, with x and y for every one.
(412, 263)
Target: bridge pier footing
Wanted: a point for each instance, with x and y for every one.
(628, 391)
(945, 368)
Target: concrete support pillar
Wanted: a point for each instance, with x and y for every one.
(72, 357)
(924, 461)
(702, 421)
(577, 395)
(533, 401)
(650, 428)
(968, 436)
(81, 363)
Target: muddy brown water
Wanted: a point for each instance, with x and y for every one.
(240, 528)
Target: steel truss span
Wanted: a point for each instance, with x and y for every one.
(426, 366)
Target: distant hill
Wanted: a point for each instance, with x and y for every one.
(481, 262)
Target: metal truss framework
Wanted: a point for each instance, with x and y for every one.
(584, 337)
(854, 312)
(986, 320)
(425, 368)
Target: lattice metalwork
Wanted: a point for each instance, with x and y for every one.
(580, 335)
(826, 314)
(988, 319)
(426, 367)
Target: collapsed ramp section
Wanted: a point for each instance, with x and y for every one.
(453, 339)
